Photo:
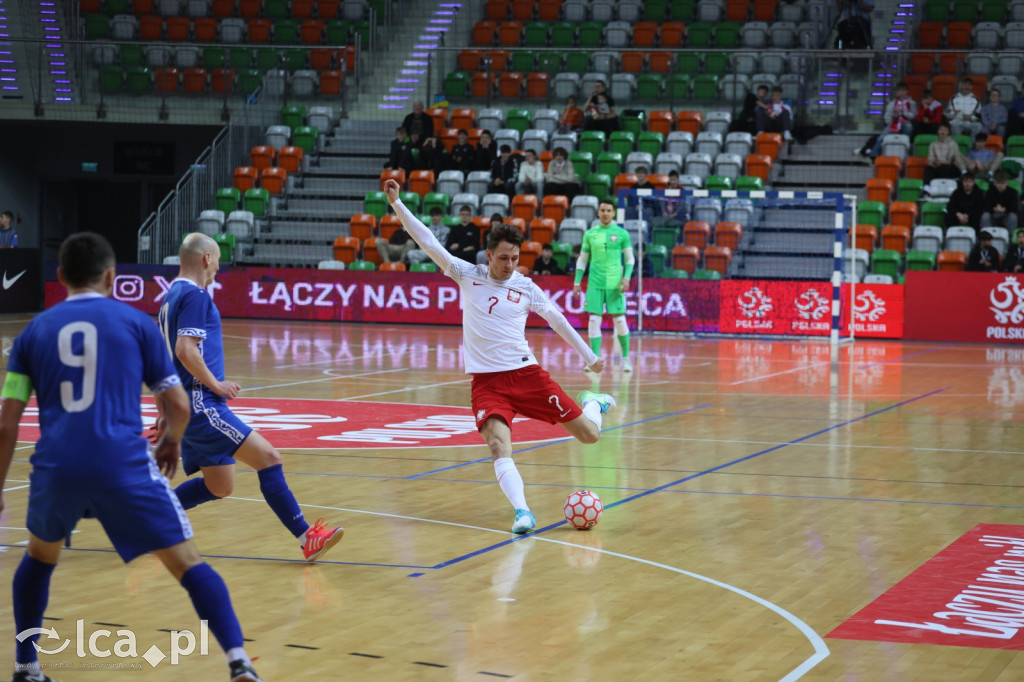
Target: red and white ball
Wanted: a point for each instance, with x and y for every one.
(583, 509)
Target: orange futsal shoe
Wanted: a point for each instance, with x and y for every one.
(319, 539)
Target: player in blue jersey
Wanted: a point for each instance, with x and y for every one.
(215, 437)
(87, 358)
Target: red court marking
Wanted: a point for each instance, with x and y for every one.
(969, 594)
(331, 424)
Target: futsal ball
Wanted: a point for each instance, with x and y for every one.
(583, 509)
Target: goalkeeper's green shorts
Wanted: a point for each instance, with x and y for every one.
(599, 299)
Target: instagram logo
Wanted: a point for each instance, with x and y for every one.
(129, 288)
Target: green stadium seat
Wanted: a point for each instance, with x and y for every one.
(563, 34)
(96, 26)
(659, 257)
(535, 34)
(257, 201)
(228, 199)
(993, 10)
(688, 62)
(139, 79)
(886, 262)
(305, 138)
(592, 141)
(284, 32)
(609, 163)
(676, 274)
(590, 33)
(582, 163)
(682, 10)
(228, 244)
(267, 58)
(432, 199)
(649, 85)
(423, 267)
(599, 185)
(240, 58)
(577, 62)
(718, 182)
(111, 77)
(964, 142)
(698, 34)
(361, 265)
(293, 116)
(275, 9)
(213, 57)
(749, 183)
(362, 29)
(337, 32)
(562, 253)
(376, 203)
(411, 199)
(1015, 146)
(131, 55)
(920, 260)
(455, 84)
(679, 86)
(707, 274)
(249, 80)
(965, 10)
(871, 213)
(656, 10)
(705, 86)
(909, 189)
(519, 119)
(665, 235)
(451, 220)
(921, 143)
(632, 121)
(550, 61)
(933, 213)
(524, 61)
(936, 10)
(727, 34)
(651, 142)
(620, 142)
(295, 59)
(717, 63)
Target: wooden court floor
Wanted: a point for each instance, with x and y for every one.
(760, 493)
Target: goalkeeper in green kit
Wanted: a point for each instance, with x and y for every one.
(608, 250)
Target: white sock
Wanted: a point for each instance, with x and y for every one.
(592, 411)
(237, 654)
(511, 482)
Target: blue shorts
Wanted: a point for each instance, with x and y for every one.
(138, 519)
(213, 436)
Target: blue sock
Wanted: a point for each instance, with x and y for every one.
(194, 492)
(210, 597)
(31, 593)
(279, 497)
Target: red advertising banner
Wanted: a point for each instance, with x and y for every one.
(969, 594)
(877, 310)
(965, 306)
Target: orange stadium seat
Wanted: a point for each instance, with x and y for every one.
(330, 82)
(950, 63)
(449, 137)
(474, 136)
(327, 9)
(525, 206)
(537, 85)
(995, 143)
(510, 33)
(929, 34)
(259, 30)
(543, 230)
(223, 8)
(916, 83)
(496, 10)
(440, 118)
(142, 7)
(951, 261)
(245, 178)
(262, 156)
(737, 10)
(529, 252)
(556, 207)
(922, 63)
(151, 28)
(484, 33)
(979, 86)
(867, 237)
(633, 62)
(389, 224)
(249, 9)
(205, 29)
(222, 80)
(421, 182)
(624, 181)
(463, 118)
(549, 10)
(717, 258)
(311, 31)
(896, 238)
(690, 122)
(879, 189)
(194, 79)
(469, 60)
(498, 59)
(728, 233)
(658, 180)
(759, 165)
(398, 175)
(362, 226)
(274, 180)
(290, 158)
(916, 166)
(302, 9)
(522, 10)
(481, 84)
(660, 122)
(370, 251)
(346, 249)
(660, 62)
(697, 233)
(888, 168)
(483, 223)
(392, 267)
(764, 10)
(178, 28)
(958, 34)
(320, 59)
(943, 86)
(672, 33)
(769, 144)
(510, 84)
(685, 257)
(903, 213)
(518, 223)
(645, 33)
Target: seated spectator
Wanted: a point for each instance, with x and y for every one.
(464, 239)
(1001, 203)
(531, 175)
(602, 116)
(571, 119)
(641, 178)
(982, 161)
(944, 157)
(746, 122)
(994, 115)
(983, 257)
(1014, 261)
(929, 115)
(486, 152)
(672, 210)
(776, 116)
(966, 204)
(432, 156)
(561, 175)
(964, 111)
(400, 148)
(546, 264)
(651, 208)
(463, 155)
(481, 255)
(570, 266)
(440, 230)
(898, 118)
(419, 122)
(505, 172)
(397, 248)
(1015, 124)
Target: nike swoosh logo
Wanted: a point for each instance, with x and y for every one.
(8, 282)
(476, 284)
(564, 413)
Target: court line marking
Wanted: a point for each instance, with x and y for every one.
(898, 358)
(407, 388)
(821, 650)
(430, 349)
(807, 366)
(19, 487)
(558, 440)
(331, 377)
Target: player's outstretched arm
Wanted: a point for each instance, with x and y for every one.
(172, 404)
(556, 320)
(186, 349)
(417, 230)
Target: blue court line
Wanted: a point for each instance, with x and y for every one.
(850, 499)
(904, 357)
(560, 440)
(498, 545)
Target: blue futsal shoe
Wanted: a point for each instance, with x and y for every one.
(525, 522)
(603, 399)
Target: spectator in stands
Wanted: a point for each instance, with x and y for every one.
(1014, 261)
(898, 118)
(464, 239)
(1001, 203)
(982, 162)
(463, 156)
(546, 264)
(397, 248)
(994, 115)
(432, 156)
(505, 172)
(8, 237)
(486, 152)
(929, 115)
(746, 122)
(600, 110)
(600, 88)
(1015, 124)
(641, 178)
(400, 147)
(419, 122)
(651, 209)
(672, 210)
(944, 157)
(571, 119)
(964, 110)
(966, 204)
(440, 231)
(570, 266)
(481, 255)
(561, 175)
(983, 257)
(531, 175)
(776, 116)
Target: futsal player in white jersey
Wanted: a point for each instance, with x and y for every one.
(496, 300)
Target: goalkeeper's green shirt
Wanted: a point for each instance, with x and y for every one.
(605, 246)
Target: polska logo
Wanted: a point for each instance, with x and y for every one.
(753, 303)
(1008, 301)
(867, 307)
(812, 306)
